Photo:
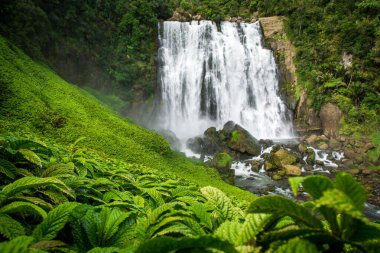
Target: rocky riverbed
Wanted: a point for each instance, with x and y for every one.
(264, 166)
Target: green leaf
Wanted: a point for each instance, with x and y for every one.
(355, 191)
(10, 228)
(167, 244)
(219, 202)
(31, 157)
(365, 231)
(54, 222)
(19, 244)
(23, 207)
(295, 183)
(284, 207)
(340, 202)
(254, 224)
(30, 182)
(316, 185)
(297, 245)
(8, 169)
(229, 231)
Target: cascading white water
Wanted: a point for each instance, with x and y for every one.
(208, 77)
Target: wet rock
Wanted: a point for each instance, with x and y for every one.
(276, 177)
(310, 156)
(292, 170)
(266, 143)
(347, 162)
(170, 136)
(269, 166)
(330, 115)
(275, 148)
(334, 144)
(302, 148)
(323, 146)
(350, 153)
(311, 139)
(319, 162)
(308, 167)
(242, 141)
(353, 171)
(283, 157)
(255, 165)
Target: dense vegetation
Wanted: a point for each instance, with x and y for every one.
(56, 199)
(113, 44)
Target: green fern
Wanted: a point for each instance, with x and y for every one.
(8, 169)
(30, 156)
(54, 222)
(348, 185)
(297, 246)
(19, 244)
(23, 208)
(222, 205)
(59, 171)
(30, 182)
(10, 228)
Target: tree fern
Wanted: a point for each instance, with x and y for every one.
(23, 208)
(10, 228)
(54, 222)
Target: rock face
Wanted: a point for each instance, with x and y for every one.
(232, 139)
(306, 119)
(330, 117)
(284, 52)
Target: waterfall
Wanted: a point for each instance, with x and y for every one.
(208, 76)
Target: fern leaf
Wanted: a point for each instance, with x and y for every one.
(167, 244)
(23, 207)
(229, 231)
(111, 219)
(175, 229)
(365, 231)
(355, 191)
(27, 144)
(37, 201)
(10, 228)
(8, 169)
(221, 203)
(30, 182)
(54, 196)
(117, 196)
(253, 225)
(294, 183)
(154, 194)
(104, 250)
(19, 244)
(30, 156)
(59, 171)
(297, 246)
(54, 222)
(284, 207)
(201, 212)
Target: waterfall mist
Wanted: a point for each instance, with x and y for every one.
(207, 77)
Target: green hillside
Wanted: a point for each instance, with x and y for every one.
(36, 102)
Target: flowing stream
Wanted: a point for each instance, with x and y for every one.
(209, 76)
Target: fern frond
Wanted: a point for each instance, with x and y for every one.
(8, 169)
(37, 201)
(221, 204)
(23, 207)
(54, 196)
(10, 228)
(19, 244)
(201, 212)
(115, 195)
(154, 194)
(54, 222)
(297, 246)
(30, 156)
(59, 171)
(30, 182)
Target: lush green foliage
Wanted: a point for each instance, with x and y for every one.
(56, 199)
(36, 102)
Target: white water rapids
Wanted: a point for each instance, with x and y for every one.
(208, 77)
